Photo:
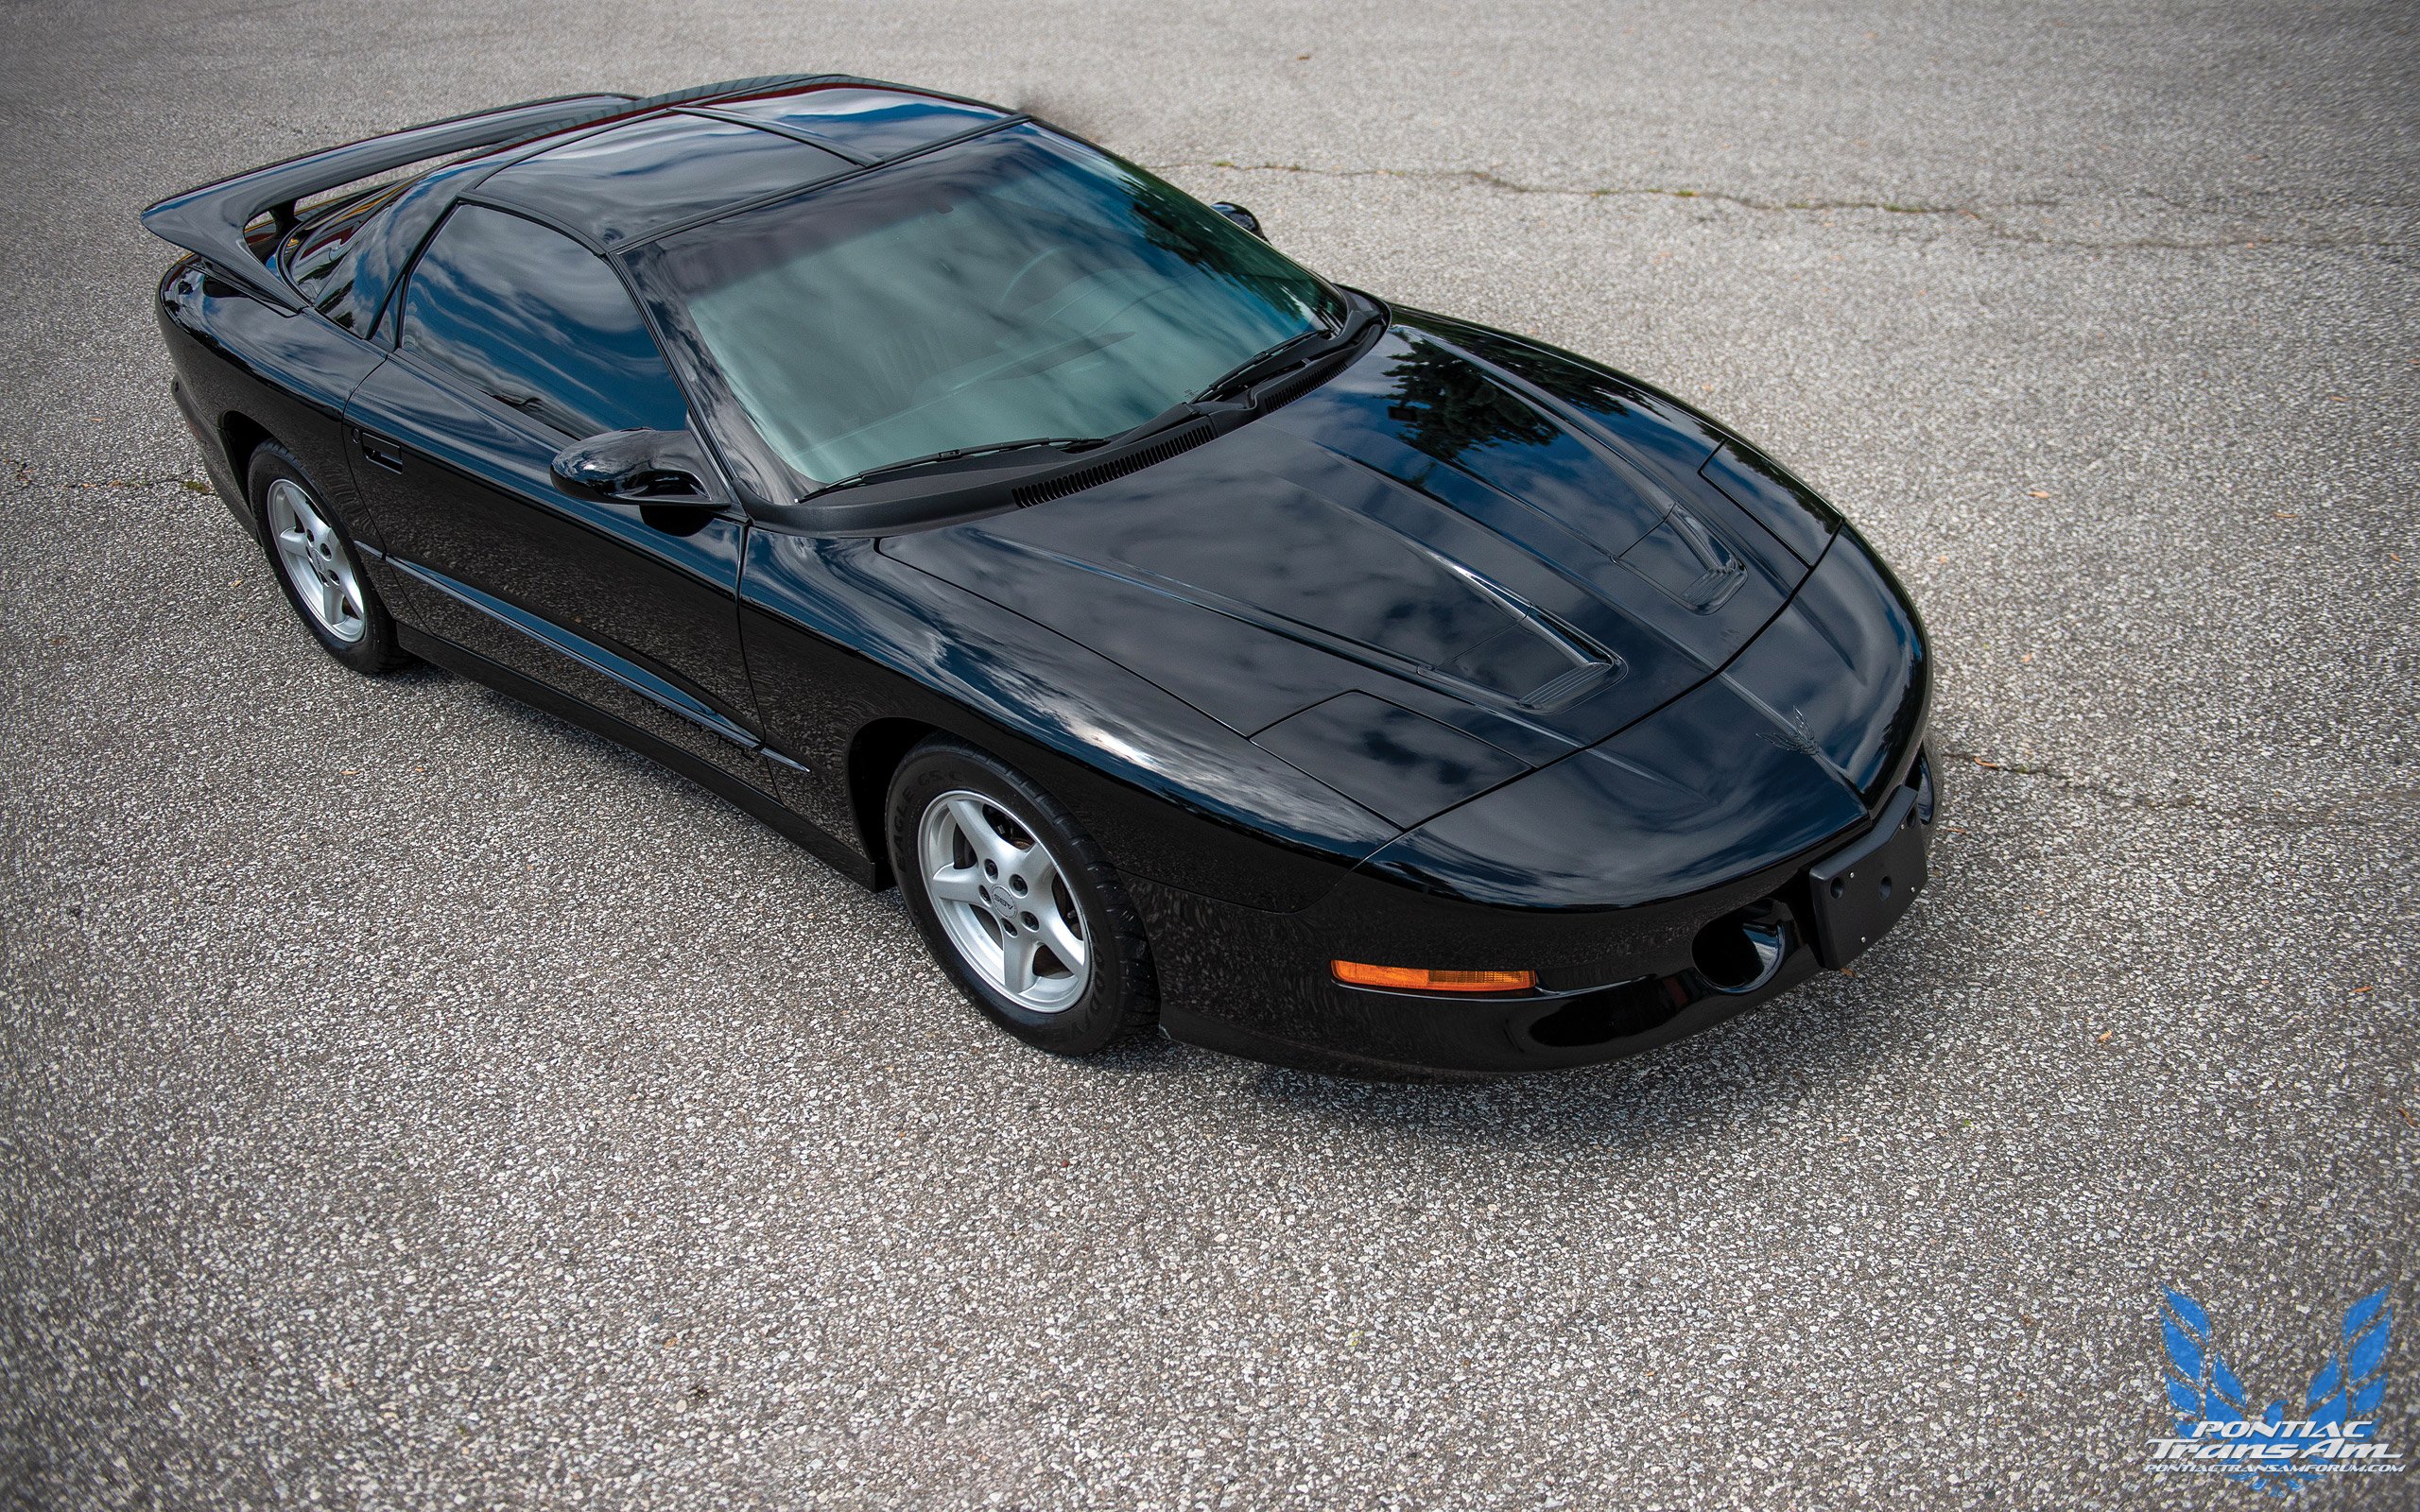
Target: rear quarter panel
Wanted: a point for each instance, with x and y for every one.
(242, 366)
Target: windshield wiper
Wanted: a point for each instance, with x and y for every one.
(1283, 358)
(952, 453)
(1256, 369)
(1252, 368)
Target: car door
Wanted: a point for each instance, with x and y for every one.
(514, 341)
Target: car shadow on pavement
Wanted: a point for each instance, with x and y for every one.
(1774, 1065)
(1770, 1065)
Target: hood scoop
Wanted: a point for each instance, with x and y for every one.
(1421, 528)
(1408, 610)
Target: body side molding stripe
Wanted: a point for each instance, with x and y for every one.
(588, 654)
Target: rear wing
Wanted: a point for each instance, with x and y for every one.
(211, 220)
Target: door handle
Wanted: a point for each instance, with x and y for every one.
(380, 451)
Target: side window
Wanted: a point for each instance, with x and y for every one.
(534, 320)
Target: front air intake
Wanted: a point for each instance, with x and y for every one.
(1741, 951)
(1085, 477)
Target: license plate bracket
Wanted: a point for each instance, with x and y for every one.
(1864, 888)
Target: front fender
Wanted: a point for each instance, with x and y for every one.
(840, 636)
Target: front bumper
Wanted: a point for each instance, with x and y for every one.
(1612, 982)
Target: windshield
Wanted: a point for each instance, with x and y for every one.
(1014, 286)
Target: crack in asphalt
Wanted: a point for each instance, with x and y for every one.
(2299, 819)
(24, 477)
(1487, 178)
(188, 482)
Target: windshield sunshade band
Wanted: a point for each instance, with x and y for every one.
(1018, 287)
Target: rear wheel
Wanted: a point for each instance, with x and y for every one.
(1016, 902)
(317, 566)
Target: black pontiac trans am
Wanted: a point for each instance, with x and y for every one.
(1193, 639)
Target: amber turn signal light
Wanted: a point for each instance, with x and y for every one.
(1421, 979)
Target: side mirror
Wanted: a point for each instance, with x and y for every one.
(1242, 217)
(643, 467)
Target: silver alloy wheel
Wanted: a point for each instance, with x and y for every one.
(316, 561)
(1004, 901)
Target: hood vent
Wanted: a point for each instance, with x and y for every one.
(1085, 477)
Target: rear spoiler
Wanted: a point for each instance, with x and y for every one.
(211, 220)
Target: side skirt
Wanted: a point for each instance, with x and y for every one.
(810, 837)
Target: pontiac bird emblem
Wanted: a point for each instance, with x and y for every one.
(1795, 736)
(2333, 1430)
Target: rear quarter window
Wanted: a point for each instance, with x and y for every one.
(319, 261)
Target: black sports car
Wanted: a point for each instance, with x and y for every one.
(1193, 639)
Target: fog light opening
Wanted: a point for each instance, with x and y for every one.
(1741, 951)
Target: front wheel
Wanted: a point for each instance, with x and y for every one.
(1016, 902)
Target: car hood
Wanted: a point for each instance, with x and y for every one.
(1461, 558)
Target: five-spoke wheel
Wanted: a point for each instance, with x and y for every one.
(315, 560)
(315, 564)
(1016, 902)
(1001, 898)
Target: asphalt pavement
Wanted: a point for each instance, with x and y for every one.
(412, 1102)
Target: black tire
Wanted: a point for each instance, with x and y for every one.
(375, 649)
(1122, 992)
